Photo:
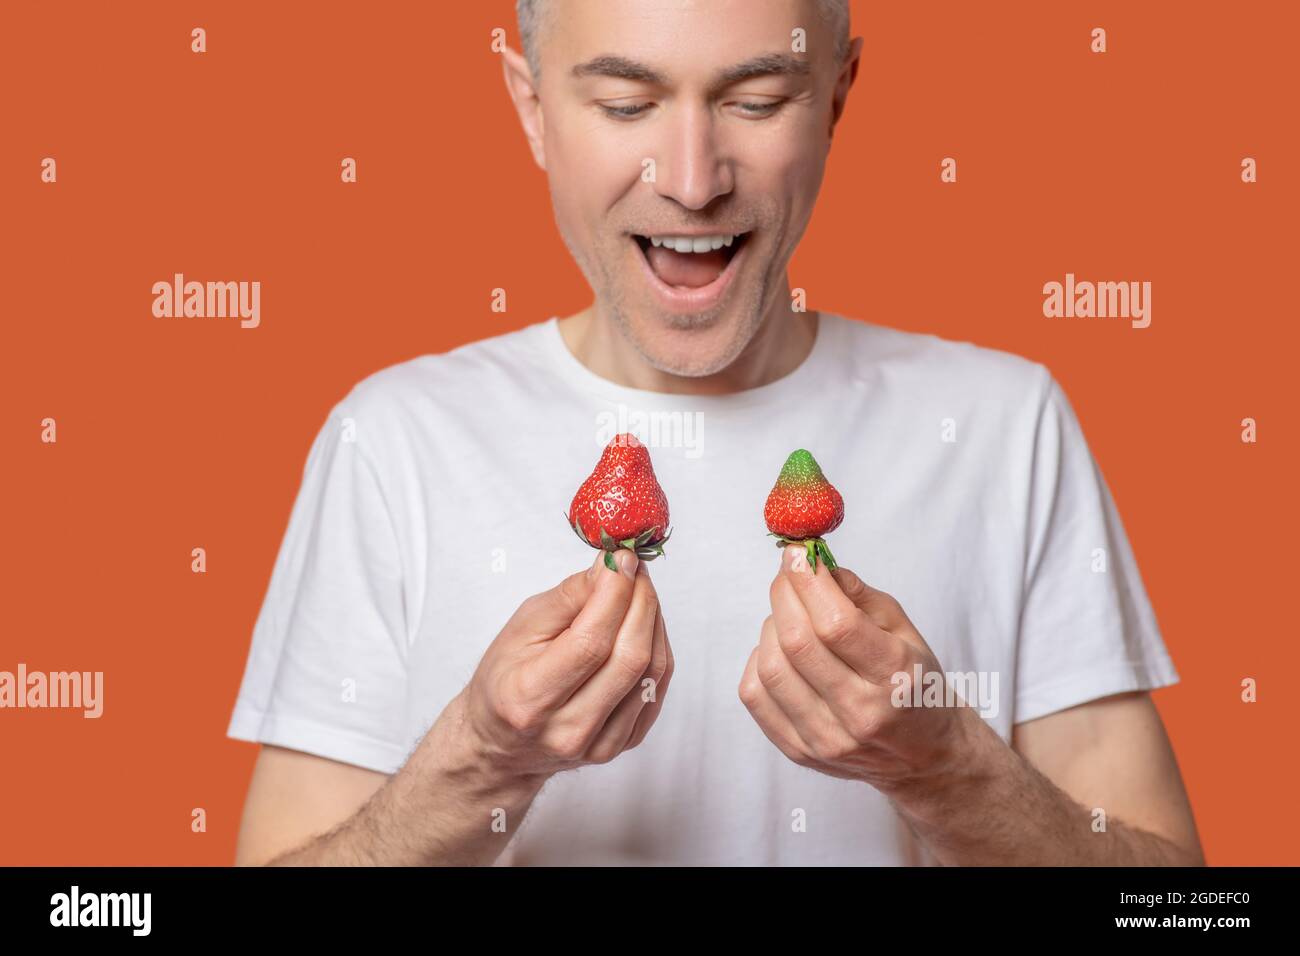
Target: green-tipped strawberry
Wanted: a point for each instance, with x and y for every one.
(803, 507)
(621, 504)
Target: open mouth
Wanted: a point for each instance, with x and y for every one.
(690, 262)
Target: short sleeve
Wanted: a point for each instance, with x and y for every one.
(326, 670)
(1087, 628)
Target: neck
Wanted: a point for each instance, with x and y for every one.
(782, 342)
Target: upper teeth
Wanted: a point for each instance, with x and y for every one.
(692, 243)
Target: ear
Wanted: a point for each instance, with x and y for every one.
(848, 73)
(528, 104)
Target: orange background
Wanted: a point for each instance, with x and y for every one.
(175, 434)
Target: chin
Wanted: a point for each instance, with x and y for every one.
(691, 346)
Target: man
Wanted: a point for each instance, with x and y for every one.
(427, 693)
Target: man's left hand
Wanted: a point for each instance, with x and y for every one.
(821, 681)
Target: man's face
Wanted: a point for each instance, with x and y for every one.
(690, 121)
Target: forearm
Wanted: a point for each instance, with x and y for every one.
(993, 808)
(439, 809)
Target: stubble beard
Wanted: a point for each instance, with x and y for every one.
(611, 301)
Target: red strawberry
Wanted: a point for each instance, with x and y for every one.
(621, 504)
(803, 506)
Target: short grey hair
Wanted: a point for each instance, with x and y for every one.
(834, 12)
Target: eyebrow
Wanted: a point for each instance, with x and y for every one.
(768, 64)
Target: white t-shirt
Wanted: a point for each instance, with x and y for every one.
(433, 503)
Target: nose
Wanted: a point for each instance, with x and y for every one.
(693, 169)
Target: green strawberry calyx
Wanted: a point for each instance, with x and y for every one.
(813, 547)
(644, 545)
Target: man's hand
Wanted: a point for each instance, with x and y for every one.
(576, 676)
(819, 682)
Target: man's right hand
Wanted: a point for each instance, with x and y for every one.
(576, 676)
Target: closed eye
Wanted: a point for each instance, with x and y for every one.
(625, 112)
(760, 109)
(746, 108)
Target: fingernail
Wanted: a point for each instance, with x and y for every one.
(626, 562)
(796, 559)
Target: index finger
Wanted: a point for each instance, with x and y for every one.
(583, 646)
(840, 624)
(883, 608)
